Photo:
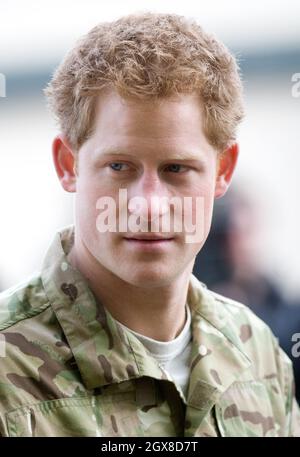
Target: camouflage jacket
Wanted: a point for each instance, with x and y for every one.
(67, 368)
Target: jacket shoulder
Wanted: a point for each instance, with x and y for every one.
(242, 319)
(255, 338)
(24, 300)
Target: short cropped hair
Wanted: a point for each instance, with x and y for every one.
(148, 56)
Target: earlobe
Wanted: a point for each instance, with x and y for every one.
(64, 162)
(221, 187)
(226, 165)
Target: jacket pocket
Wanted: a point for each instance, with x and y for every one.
(111, 415)
(245, 409)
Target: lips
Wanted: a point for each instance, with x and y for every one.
(149, 238)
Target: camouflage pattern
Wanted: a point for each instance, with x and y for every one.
(67, 368)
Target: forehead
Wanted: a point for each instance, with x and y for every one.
(156, 129)
(180, 114)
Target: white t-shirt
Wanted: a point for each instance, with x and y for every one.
(173, 355)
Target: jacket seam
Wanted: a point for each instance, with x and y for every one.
(23, 316)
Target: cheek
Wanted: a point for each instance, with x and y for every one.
(203, 198)
(87, 195)
(89, 190)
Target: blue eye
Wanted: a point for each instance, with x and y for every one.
(117, 166)
(175, 167)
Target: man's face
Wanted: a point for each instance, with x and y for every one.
(151, 150)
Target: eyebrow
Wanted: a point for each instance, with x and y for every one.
(178, 156)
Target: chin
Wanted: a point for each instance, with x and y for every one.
(149, 279)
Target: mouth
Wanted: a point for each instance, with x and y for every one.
(149, 238)
(149, 242)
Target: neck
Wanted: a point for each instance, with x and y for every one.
(156, 312)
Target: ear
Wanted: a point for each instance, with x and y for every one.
(226, 165)
(64, 162)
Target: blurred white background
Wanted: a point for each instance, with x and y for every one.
(35, 35)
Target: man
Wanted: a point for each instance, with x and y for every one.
(116, 337)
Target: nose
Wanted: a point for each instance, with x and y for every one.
(148, 197)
